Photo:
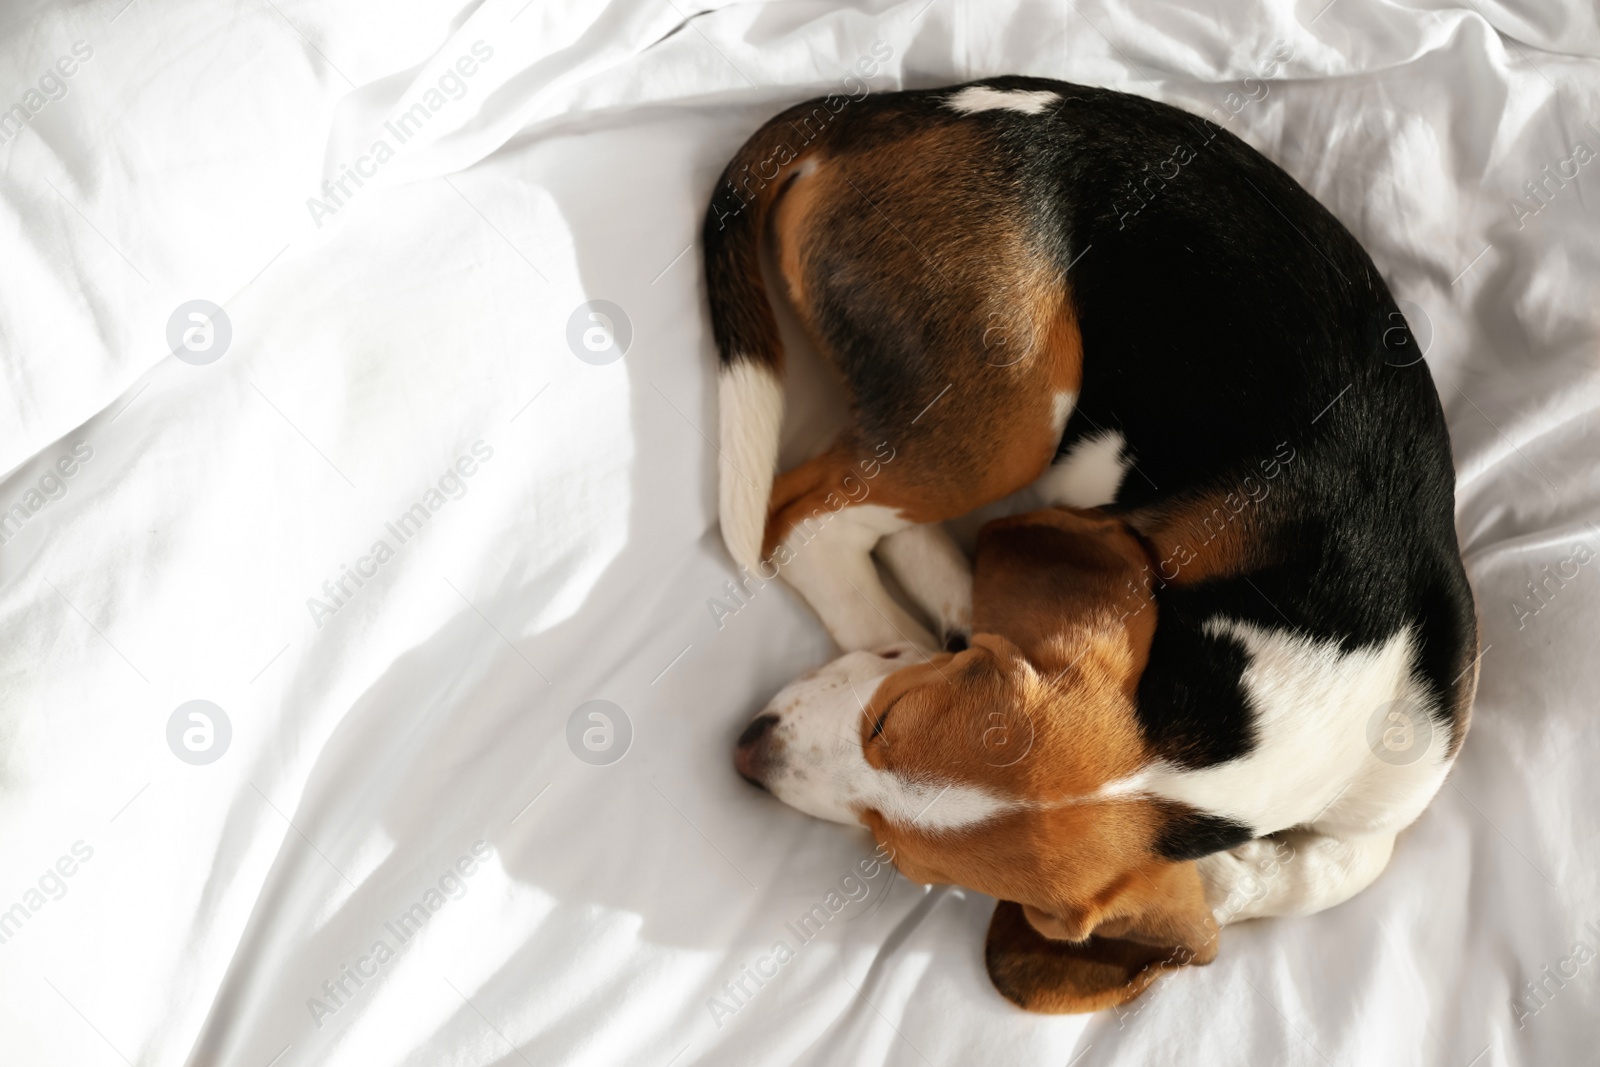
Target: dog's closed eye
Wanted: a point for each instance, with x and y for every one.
(877, 726)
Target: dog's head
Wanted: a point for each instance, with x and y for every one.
(1007, 767)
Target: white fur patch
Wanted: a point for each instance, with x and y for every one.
(820, 767)
(1314, 763)
(829, 560)
(1086, 477)
(1061, 410)
(976, 98)
(750, 398)
(931, 806)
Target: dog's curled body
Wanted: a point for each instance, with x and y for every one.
(1025, 282)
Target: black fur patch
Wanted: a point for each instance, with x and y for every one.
(1191, 707)
(1190, 834)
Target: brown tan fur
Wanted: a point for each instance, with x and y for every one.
(1064, 629)
(1213, 536)
(1022, 337)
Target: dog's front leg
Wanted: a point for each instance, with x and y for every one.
(829, 561)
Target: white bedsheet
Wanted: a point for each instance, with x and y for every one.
(380, 739)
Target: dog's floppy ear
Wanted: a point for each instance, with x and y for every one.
(1078, 960)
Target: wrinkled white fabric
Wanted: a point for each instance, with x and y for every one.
(402, 743)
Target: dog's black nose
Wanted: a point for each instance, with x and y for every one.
(749, 754)
(757, 729)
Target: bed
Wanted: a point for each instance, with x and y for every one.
(371, 670)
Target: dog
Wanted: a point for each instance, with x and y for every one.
(1233, 652)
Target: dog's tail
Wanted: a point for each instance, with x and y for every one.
(750, 378)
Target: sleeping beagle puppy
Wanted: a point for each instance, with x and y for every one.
(1233, 652)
